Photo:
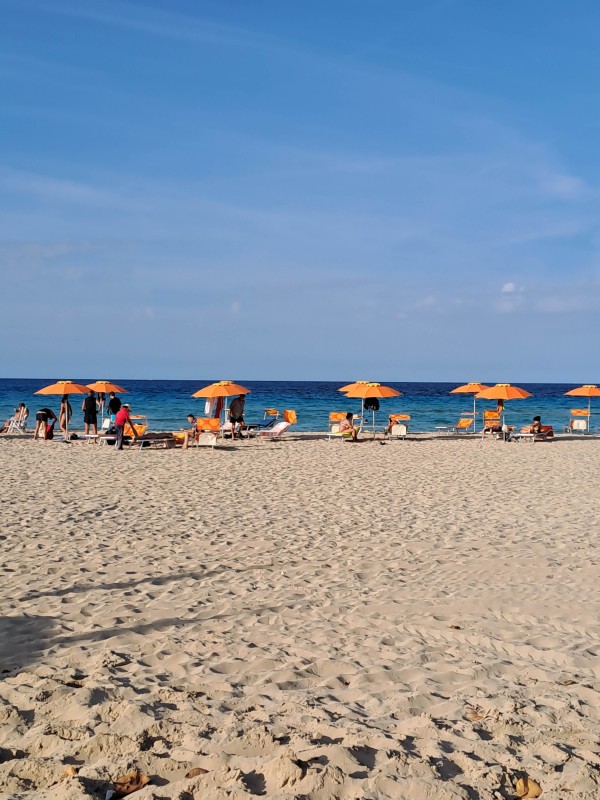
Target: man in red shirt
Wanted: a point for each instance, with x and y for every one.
(121, 419)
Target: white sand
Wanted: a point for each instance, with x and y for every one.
(302, 619)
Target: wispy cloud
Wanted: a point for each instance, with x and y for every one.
(156, 22)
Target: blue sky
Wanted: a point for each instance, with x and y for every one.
(317, 190)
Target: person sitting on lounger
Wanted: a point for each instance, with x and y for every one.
(536, 427)
(347, 427)
(19, 417)
(191, 434)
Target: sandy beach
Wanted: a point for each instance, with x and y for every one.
(301, 619)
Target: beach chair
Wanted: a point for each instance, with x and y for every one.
(18, 424)
(398, 426)
(276, 432)
(463, 425)
(335, 417)
(252, 428)
(139, 422)
(546, 434)
(226, 429)
(208, 431)
(492, 423)
(579, 422)
(271, 412)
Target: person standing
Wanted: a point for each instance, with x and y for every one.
(236, 414)
(121, 419)
(90, 413)
(114, 404)
(64, 415)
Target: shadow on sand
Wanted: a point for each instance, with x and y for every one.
(23, 640)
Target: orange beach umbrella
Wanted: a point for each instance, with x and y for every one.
(105, 387)
(588, 390)
(367, 389)
(471, 388)
(64, 387)
(350, 386)
(222, 389)
(503, 391)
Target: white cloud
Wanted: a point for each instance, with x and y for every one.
(562, 186)
(509, 304)
(508, 288)
(426, 302)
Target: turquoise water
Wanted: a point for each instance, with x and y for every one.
(166, 403)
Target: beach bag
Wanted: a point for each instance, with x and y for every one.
(50, 430)
(371, 404)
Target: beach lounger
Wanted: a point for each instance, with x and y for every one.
(276, 432)
(492, 424)
(546, 434)
(227, 430)
(18, 424)
(335, 417)
(153, 439)
(252, 428)
(579, 422)
(140, 422)
(271, 412)
(463, 425)
(398, 426)
(209, 430)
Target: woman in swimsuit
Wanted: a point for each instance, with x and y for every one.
(65, 413)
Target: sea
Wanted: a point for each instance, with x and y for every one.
(166, 403)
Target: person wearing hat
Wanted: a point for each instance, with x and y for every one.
(121, 419)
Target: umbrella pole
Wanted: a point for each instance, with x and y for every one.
(474, 414)
(225, 416)
(589, 412)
